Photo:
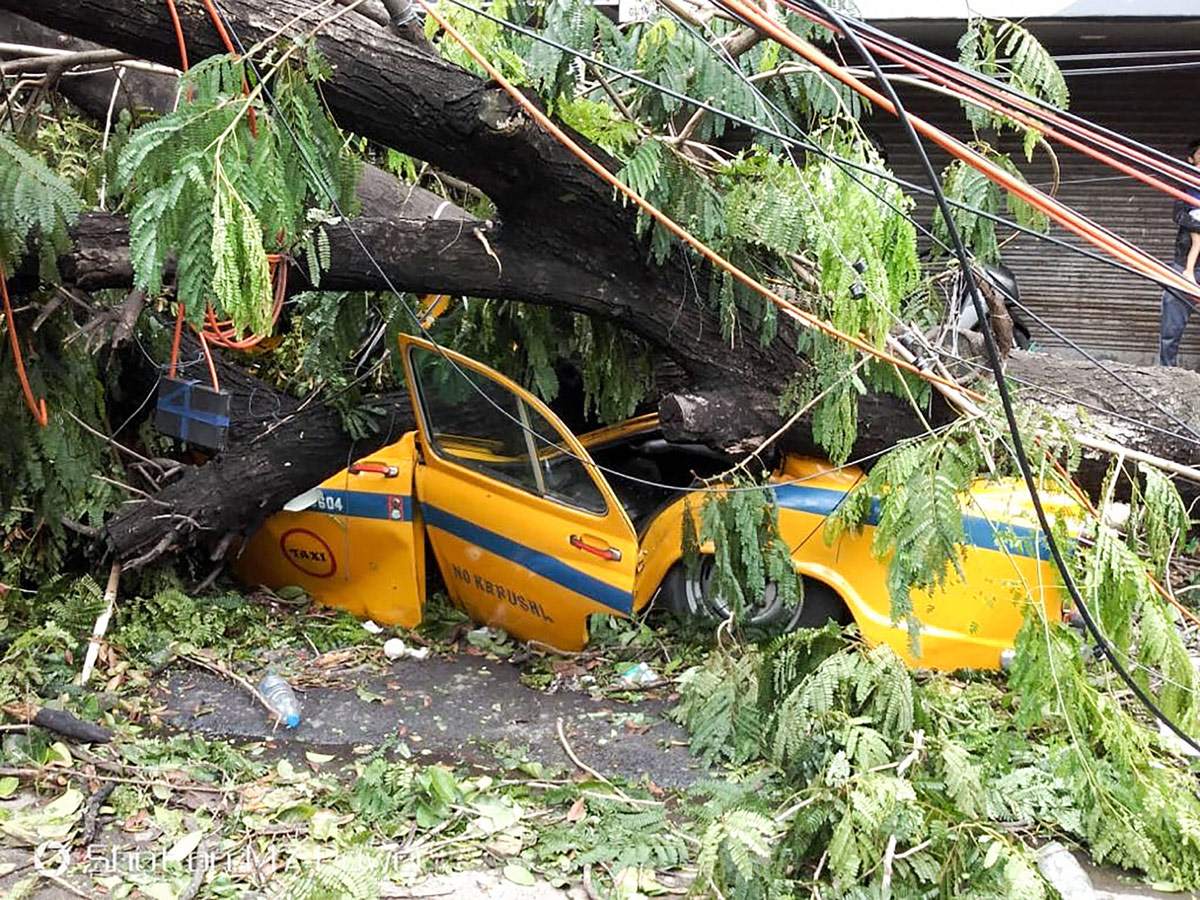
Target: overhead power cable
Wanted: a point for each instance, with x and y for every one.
(784, 36)
(906, 53)
(1054, 209)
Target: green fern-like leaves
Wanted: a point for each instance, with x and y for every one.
(748, 553)
(1010, 53)
(966, 185)
(34, 203)
(218, 183)
(919, 530)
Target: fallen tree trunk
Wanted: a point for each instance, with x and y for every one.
(278, 446)
(560, 239)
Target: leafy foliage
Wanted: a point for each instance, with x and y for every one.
(218, 181)
(532, 343)
(912, 499)
(36, 203)
(968, 186)
(867, 766)
(748, 553)
(1010, 53)
(56, 471)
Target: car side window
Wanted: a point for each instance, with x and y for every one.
(483, 425)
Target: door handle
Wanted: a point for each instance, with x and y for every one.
(612, 554)
(376, 468)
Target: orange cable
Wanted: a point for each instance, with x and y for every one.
(788, 308)
(175, 342)
(38, 408)
(183, 57)
(993, 98)
(995, 105)
(224, 35)
(222, 333)
(212, 367)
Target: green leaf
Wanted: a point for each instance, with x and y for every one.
(518, 874)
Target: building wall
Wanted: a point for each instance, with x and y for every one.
(1111, 313)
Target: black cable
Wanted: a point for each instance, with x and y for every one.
(1005, 399)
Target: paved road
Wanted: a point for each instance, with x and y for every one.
(454, 710)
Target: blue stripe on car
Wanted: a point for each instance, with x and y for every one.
(364, 505)
(1019, 540)
(539, 563)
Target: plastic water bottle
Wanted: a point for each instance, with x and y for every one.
(280, 697)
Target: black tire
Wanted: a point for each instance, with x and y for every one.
(690, 598)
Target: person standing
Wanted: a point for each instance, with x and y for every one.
(1176, 308)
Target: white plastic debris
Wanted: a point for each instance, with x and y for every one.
(1173, 741)
(1060, 867)
(639, 675)
(371, 628)
(394, 648)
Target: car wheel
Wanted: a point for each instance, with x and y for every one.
(692, 597)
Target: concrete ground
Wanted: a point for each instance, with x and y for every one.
(454, 710)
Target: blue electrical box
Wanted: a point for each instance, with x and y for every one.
(191, 412)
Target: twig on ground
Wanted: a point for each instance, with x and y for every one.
(219, 668)
(91, 815)
(65, 885)
(48, 772)
(588, 888)
(562, 739)
(101, 626)
(60, 722)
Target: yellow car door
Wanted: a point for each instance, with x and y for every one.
(354, 541)
(528, 534)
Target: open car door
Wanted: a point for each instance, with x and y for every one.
(529, 535)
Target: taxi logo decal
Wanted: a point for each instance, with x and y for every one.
(308, 552)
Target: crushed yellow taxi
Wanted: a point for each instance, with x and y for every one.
(535, 529)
